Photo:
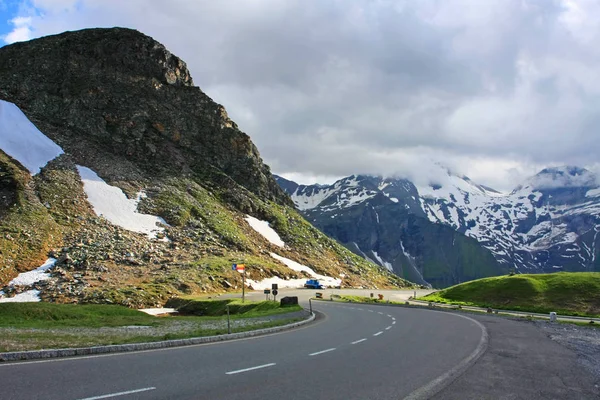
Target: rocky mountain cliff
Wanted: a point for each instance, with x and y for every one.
(127, 119)
(549, 223)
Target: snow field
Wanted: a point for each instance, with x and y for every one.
(111, 203)
(265, 230)
(28, 279)
(21, 140)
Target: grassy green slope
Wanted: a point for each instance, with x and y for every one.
(574, 293)
(27, 231)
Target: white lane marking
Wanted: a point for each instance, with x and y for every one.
(370, 310)
(379, 312)
(393, 319)
(360, 309)
(250, 369)
(388, 328)
(393, 322)
(106, 396)
(358, 341)
(389, 315)
(322, 351)
(378, 333)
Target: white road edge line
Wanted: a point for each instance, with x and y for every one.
(106, 396)
(322, 351)
(388, 328)
(250, 369)
(358, 341)
(378, 333)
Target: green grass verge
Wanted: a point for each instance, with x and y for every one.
(191, 305)
(362, 299)
(567, 293)
(50, 315)
(30, 326)
(36, 339)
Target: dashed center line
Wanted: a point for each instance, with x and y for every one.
(322, 351)
(388, 328)
(358, 341)
(250, 369)
(379, 312)
(360, 309)
(393, 319)
(393, 322)
(370, 310)
(107, 396)
(378, 333)
(389, 315)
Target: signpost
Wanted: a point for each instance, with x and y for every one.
(241, 268)
(274, 288)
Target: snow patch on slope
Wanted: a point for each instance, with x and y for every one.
(37, 275)
(30, 296)
(265, 230)
(21, 140)
(382, 262)
(28, 279)
(295, 266)
(111, 203)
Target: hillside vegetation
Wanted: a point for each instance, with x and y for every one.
(572, 293)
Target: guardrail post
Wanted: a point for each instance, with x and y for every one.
(228, 323)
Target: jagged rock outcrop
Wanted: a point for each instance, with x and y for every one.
(124, 94)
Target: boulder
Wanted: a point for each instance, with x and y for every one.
(289, 301)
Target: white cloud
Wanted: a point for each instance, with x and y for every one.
(21, 30)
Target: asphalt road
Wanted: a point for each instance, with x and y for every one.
(350, 352)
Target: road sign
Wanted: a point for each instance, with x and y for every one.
(241, 268)
(274, 286)
(267, 291)
(238, 267)
(275, 292)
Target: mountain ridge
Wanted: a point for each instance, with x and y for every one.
(543, 225)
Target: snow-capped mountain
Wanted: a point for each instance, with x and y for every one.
(548, 223)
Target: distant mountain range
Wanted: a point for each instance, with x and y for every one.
(455, 230)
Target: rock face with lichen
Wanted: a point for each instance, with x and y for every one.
(118, 102)
(125, 95)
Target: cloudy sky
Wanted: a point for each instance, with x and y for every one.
(494, 89)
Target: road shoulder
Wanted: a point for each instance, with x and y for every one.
(522, 362)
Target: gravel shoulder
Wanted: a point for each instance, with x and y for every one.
(531, 360)
(583, 340)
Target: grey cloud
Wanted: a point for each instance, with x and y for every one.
(339, 87)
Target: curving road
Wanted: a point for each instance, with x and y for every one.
(350, 352)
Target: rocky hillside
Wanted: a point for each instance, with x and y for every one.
(151, 190)
(549, 223)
